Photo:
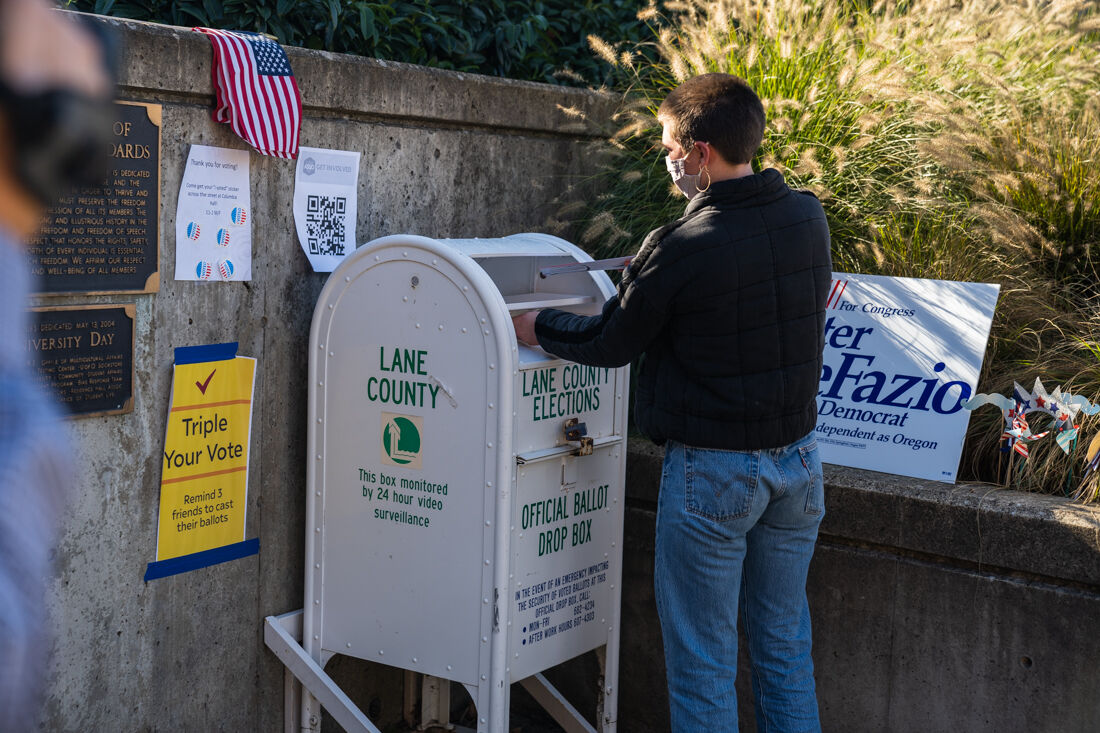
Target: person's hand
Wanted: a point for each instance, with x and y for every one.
(524, 324)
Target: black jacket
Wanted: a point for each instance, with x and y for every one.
(728, 306)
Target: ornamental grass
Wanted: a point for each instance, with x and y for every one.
(956, 140)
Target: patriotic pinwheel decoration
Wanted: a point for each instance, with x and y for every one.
(1062, 407)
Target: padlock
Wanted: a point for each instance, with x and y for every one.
(577, 432)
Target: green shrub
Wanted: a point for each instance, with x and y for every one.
(537, 40)
(947, 139)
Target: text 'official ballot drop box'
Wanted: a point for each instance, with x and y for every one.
(465, 508)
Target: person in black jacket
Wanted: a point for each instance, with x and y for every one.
(726, 308)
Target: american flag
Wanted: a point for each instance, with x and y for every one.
(256, 91)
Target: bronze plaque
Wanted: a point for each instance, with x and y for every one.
(106, 238)
(85, 355)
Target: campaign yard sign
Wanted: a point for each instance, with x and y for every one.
(901, 356)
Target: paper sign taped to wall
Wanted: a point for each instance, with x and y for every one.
(325, 187)
(214, 216)
(204, 467)
(901, 355)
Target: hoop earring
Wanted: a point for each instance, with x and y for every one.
(702, 171)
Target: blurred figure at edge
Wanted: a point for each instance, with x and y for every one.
(55, 92)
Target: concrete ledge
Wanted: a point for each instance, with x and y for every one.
(977, 525)
(1042, 536)
(177, 60)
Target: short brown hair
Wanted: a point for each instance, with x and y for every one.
(720, 109)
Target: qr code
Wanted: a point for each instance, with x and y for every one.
(325, 218)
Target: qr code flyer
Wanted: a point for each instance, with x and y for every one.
(325, 185)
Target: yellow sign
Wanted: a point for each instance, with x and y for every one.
(204, 467)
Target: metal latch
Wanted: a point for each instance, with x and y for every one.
(577, 432)
(615, 263)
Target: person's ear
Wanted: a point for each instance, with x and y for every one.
(706, 153)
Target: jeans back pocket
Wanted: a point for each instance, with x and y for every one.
(815, 492)
(720, 484)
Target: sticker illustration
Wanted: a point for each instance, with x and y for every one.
(401, 440)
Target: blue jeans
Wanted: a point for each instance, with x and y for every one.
(738, 526)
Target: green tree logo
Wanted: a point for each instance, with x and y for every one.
(401, 440)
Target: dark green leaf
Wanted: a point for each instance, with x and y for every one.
(213, 10)
(366, 22)
(529, 39)
(196, 13)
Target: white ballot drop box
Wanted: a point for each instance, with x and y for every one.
(465, 492)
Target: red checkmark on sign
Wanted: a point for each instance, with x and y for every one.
(203, 385)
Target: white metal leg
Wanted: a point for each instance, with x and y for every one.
(609, 682)
(292, 702)
(435, 703)
(306, 678)
(292, 688)
(278, 639)
(557, 706)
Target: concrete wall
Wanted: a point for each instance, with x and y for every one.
(443, 154)
(935, 608)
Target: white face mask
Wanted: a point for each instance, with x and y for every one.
(686, 182)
